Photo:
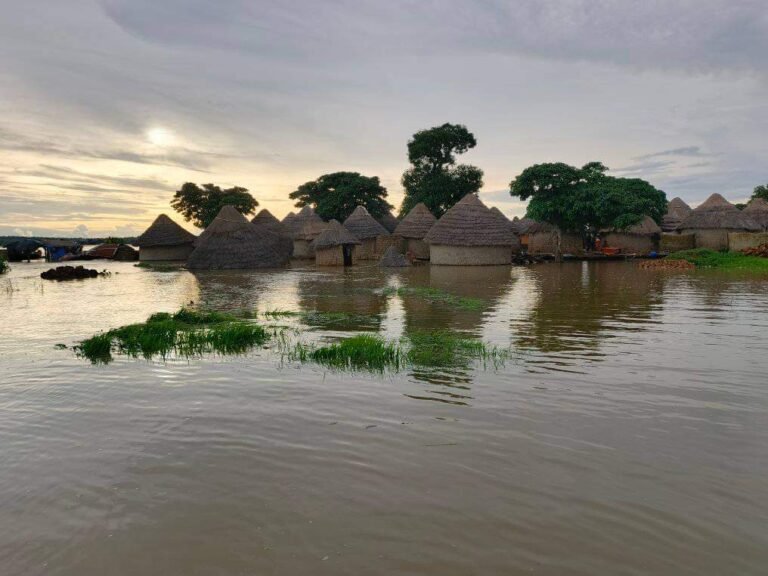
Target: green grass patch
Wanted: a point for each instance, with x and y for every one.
(323, 319)
(186, 333)
(704, 258)
(436, 295)
(362, 352)
(441, 348)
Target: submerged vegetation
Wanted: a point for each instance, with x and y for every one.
(436, 295)
(3, 266)
(704, 258)
(187, 333)
(159, 266)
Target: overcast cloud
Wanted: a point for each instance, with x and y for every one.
(108, 106)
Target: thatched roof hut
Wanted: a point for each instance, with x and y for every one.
(364, 226)
(416, 223)
(640, 238)
(231, 242)
(287, 219)
(389, 221)
(393, 259)
(470, 234)
(677, 211)
(541, 238)
(267, 221)
(307, 225)
(713, 220)
(164, 232)
(335, 246)
(757, 209)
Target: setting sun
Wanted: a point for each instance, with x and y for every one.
(160, 136)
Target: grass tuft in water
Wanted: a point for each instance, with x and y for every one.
(704, 258)
(441, 348)
(361, 352)
(187, 333)
(436, 295)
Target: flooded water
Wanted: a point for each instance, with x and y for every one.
(626, 435)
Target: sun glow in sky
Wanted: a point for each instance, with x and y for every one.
(109, 106)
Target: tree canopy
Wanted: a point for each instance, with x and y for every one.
(434, 178)
(201, 204)
(760, 192)
(335, 196)
(585, 200)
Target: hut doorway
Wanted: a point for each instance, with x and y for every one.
(347, 250)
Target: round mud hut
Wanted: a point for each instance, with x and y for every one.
(541, 239)
(470, 234)
(367, 230)
(516, 245)
(165, 240)
(677, 211)
(641, 238)
(304, 229)
(266, 221)
(712, 221)
(413, 228)
(233, 243)
(335, 246)
(757, 210)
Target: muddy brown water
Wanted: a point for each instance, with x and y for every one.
(627, 435)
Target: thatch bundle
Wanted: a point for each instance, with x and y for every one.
(266, 221)
(717, 213)
(471, 223)
(363, 226)
(677, 210)
(393, 259)
(231, 242)
(757, 209)
(164, 232)
(334, 234)
(416, 223)
(388, 221)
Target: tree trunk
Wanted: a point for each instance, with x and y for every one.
(558, 245)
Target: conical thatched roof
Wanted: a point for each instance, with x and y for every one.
(334, 234)
(266, 221)
(288, 218)
(393, 259)
(416, 223)
(231, 242)
(757, 210)
(646, 227)
(388, 221)
(471, 223)
(522, 225)
(363, 225)
(164, 232)
(307, 225)
(717, 213)
(677, 210)
(508, 223)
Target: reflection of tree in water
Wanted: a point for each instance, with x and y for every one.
(451, 383)
(344, 300)
(577, 304)
(230, 289)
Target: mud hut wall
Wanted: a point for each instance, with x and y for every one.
(301, 249)
(440, 254)
(740, 240)
(712, 238)
(418, 248)
(165, 253)
(631, 243)
(366, 250)
(384, 242)
(333, 256)
(676, 242)
(546, 243)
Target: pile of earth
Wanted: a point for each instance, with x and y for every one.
(69, 273)
(761, 251)
(666, 264)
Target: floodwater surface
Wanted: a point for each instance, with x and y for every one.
(625, 434)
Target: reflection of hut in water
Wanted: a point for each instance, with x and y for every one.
(713, 220)
(366, 229)
(304, 228)
(230, 242)
(677, 211)
(542, 239)
(640, 238)
(266, 221)
(757, 209)
(577, 305)
(412, 230)
(165, 240)
(341, 301)
(469, 234)
(335, 246)
(389, 221)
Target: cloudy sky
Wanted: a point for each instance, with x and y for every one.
(108, 106)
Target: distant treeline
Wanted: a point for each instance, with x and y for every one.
(4, 240)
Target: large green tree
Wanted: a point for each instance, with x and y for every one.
(760, 192)
(201, 204)
(585, 200)
(335, 196)
(434, 178)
